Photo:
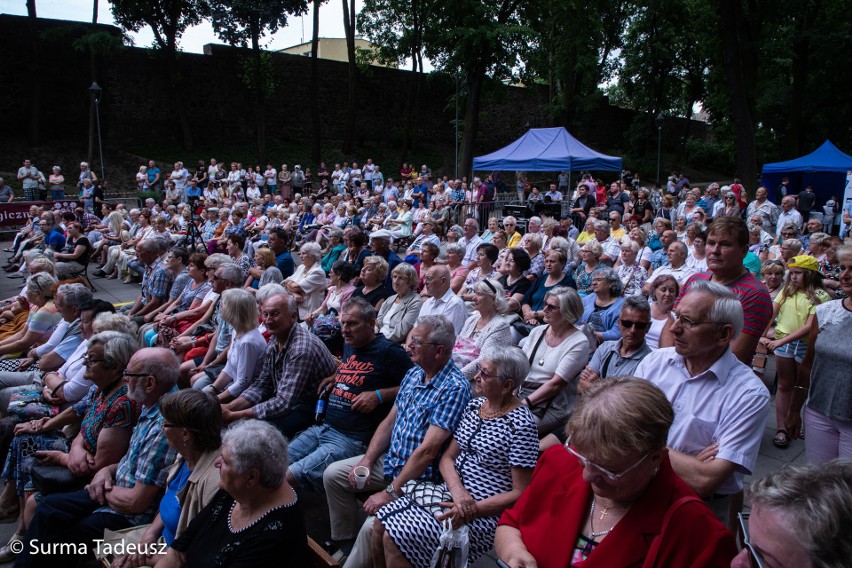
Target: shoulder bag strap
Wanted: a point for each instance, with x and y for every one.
(532, 357)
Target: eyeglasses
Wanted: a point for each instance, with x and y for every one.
(549, 307)
(754, 556)
(637, 324)
(481, 371)
(607, 473)
(89, 361)
(127, 375)
(415, 342)
(689, 323)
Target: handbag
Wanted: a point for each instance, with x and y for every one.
(30, 405)
(49, 479)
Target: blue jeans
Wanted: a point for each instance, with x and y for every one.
(57, 194)
(315, 449)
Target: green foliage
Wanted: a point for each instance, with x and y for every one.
(243, 22)
(258, 74)
(168, 19)
(101, 42)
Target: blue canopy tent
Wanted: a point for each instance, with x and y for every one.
(546, 150)
(825, 169)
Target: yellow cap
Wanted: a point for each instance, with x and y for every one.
(804, 261)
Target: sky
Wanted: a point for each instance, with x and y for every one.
(298, 30)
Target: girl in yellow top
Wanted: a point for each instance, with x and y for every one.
(794, 307)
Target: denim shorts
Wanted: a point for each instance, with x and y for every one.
(793, 350)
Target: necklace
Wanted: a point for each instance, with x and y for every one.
(592, 520)
(487, 415)
(254, 522)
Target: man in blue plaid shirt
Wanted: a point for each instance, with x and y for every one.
(120, 495)
(408, 444)
(156, 282)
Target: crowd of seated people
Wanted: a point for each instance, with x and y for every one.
(410, 369)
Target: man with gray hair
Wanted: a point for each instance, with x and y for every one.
(620, 357)
(610, 245)
(407, 444)
(677, 268)
(720, 404)
(295, 363)
(120, 495)
(156, 283)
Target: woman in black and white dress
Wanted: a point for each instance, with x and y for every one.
(486, 467)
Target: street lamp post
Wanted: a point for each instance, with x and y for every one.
(659, 122)
(95, 91)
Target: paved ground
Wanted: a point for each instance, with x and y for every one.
(770, 458)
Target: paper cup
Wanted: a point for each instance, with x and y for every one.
(362, 474)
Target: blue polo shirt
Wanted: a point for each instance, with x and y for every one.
(285, 264)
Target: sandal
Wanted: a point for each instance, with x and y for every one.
(782, 439)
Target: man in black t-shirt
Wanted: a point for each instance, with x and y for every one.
(805, 202)
(360, 395)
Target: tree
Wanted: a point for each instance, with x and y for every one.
(240, 21)
(168, 20)
(316, 145)
(481, 38)
(573, 63)
(352, 69)
(397, 28)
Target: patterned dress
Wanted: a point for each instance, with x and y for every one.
(105, 411)
(489, 451)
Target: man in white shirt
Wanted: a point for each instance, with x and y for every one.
(720, 405)
(788, 215)
(677, 267)
(610, 245)
(553, 193)
(443, 302)
(470, 241)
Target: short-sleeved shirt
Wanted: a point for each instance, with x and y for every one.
(147, 461)
(156, 283)
(378, 365)
(795, 310)
(113, 411)
(284, 262)
(608, 361)
(55, 239)
(420, 404)
(757, 305)
(726, 404)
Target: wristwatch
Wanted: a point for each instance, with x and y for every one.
(391, 491)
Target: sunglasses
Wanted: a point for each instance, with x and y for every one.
(637, 324)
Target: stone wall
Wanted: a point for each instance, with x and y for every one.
(137, 109)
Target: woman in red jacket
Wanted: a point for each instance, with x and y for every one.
(611, 495)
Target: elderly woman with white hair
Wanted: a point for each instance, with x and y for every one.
(557, 352)
(399, 312)
(631, 273)
(458, 272)
(256, 518)
(245, 353)
(307, 284)
(602, 307)
(486, 467)
(590, 255)
(485, 328)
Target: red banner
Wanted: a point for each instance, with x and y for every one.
(17, 213)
